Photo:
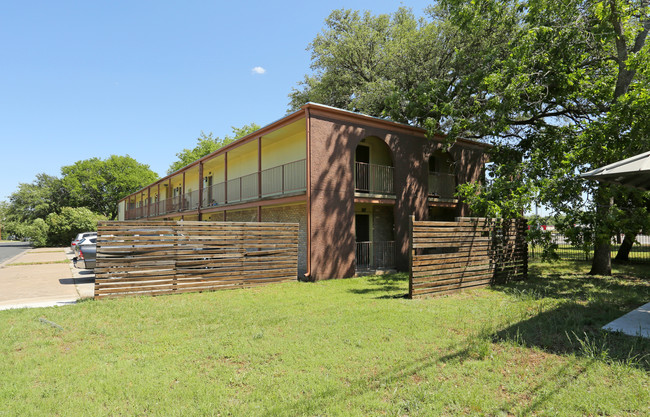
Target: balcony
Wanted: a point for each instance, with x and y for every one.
(442, 185)
(373, 179)
(375, 255)
(279, 181)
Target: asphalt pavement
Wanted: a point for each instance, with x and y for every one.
(10, 249)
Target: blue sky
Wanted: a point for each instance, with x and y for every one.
(82, 79)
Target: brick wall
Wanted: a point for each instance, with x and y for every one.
(291, 214)
(249, 215)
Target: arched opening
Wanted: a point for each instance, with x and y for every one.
(374, 222)
(442, 177)
(373, 167)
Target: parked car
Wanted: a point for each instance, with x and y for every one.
(80, 236)
(88, 253)
(85, 241)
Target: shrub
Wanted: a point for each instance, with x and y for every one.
(37, 232)
(64, 226)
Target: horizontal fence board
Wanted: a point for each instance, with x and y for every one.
(154, 258)
(457, 280)
(466, 253)
(431, 280)
(453, 268)
(434, 245)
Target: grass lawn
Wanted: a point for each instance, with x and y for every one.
(344, 347)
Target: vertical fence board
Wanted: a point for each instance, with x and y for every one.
(468, 253)
(165, 257)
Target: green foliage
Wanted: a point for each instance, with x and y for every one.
(99, 184)
(569, 97)
(206, 144)
(37, 232)
(45, 195)
(64, 226)
(52, 210)
(359, 59)
(419, 71)
(559, 87)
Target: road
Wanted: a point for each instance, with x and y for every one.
(10, 249)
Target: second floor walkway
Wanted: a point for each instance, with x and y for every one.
(280, 181)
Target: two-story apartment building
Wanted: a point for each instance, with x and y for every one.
(350, 180)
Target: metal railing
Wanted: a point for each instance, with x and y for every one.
(284, 179)
(442, 185)
(639, 253)
(277, 181)
(373, 179)
(375, 255)
(190, 200)
(130, 213)
(214, 195)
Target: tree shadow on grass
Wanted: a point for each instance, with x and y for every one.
(401, 373)
(394, 285)
(624, 291)
(584, 304)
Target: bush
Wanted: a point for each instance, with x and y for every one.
(64, 226)
(37, 232)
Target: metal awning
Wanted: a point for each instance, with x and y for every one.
(631, 172)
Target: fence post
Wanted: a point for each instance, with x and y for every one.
(523, 230)
(411, 221)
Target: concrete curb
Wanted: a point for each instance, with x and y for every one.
(38, 304)
(85, 290)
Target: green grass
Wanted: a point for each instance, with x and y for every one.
(64, 261)
(344, 347)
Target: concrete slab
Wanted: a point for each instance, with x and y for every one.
(634, 323)
(36, 257)
(36, 282)
(45, 281)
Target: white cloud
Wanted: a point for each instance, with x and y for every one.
(258, 70)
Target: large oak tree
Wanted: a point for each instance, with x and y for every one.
(558, 87)
(99, 184)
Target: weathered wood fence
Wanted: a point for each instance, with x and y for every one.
(467, 253)
(163, 257)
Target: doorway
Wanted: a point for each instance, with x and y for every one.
(362, 227)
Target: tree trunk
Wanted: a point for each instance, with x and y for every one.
(623, 253)
(602, 262)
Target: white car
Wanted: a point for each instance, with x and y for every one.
(79, 237)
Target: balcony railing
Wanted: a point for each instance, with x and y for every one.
(442, 185)
(277, 181)
(190, 201)
(214, 195)
(373, 179)
(284, 179)
(375, 255)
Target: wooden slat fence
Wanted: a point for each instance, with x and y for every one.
(467, 253)
(165, 257)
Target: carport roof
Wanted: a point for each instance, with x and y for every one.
(631, 172)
